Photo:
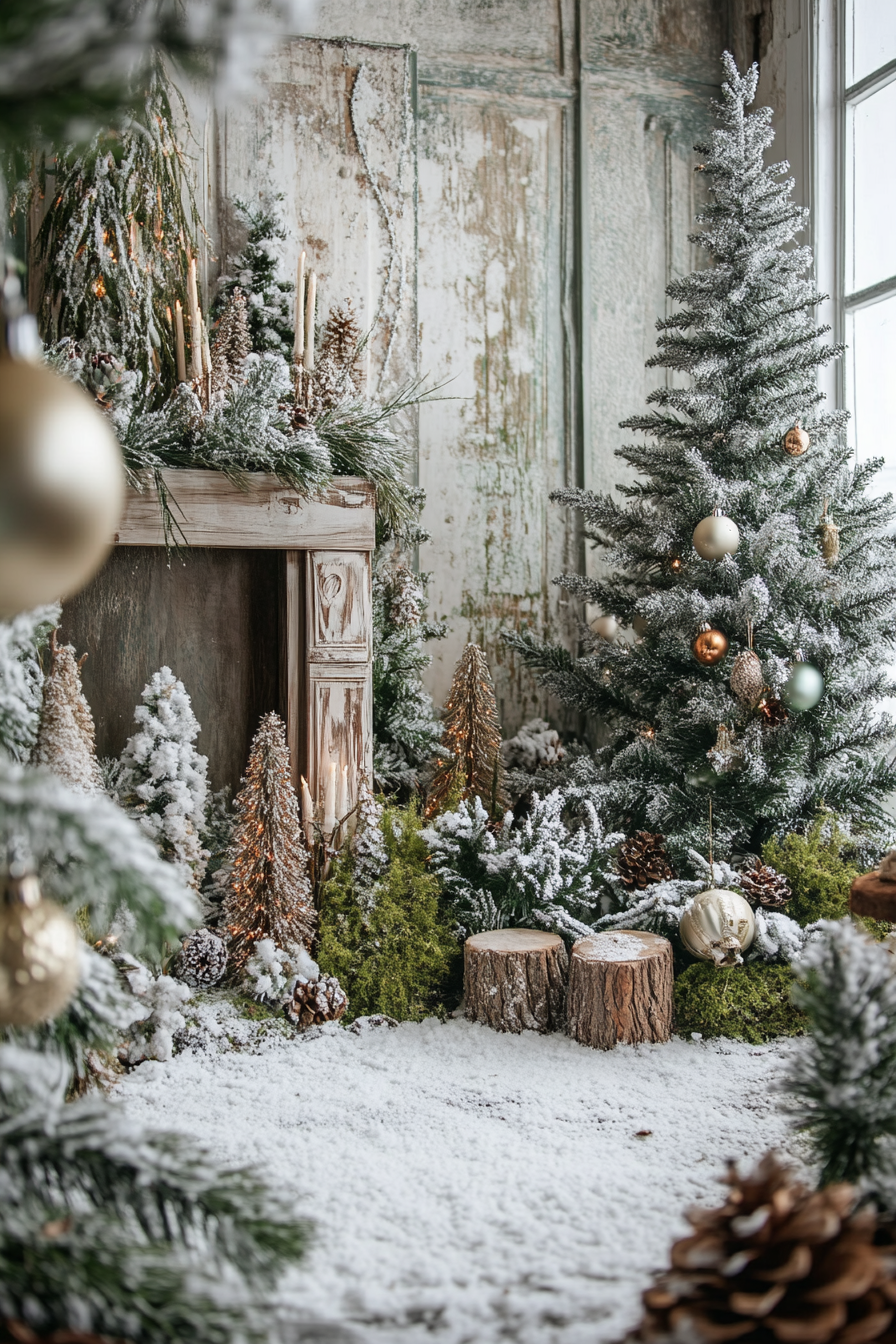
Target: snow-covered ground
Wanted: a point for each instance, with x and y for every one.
(470, 1186)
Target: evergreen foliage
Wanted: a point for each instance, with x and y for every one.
(390, 944)
(844, 1083)
(66, 735)
(21, 678)
(747, 1003)
(163, 779)
(549, 868)
(113, 249)
(744, 338)
(814, 864)
(269, 301)
(269, 894)
(469, 761)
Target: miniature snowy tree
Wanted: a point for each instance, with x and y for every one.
(232, 341)
(269, 301)
(270, 890)
(745, 435)
(337, 376)
(469, 764)
(163, 776)
(66, 736)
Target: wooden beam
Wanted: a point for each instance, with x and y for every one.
(212, 511)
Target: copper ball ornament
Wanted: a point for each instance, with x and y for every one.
(710, 646)
(716, 536)
(39, 955)
(795, 441)
(61, 486)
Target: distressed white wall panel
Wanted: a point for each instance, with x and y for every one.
(491, 229)
(333, 131)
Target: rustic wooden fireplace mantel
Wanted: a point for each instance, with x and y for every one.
(324, 646)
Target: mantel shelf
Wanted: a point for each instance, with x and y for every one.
(211, 510)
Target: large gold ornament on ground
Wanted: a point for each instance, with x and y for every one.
(718, 926)
(39, 955)
(61, 487)
(710, 646)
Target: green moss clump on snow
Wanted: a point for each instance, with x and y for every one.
(392, 945)
(819, 875)
(749, 1003)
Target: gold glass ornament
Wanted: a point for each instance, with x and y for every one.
(606, 627)
(710, 646)
(39, 962)
(718, 926)
(61, 486)
(747, 681)
(795, 441)
(829, 533)
(716, 536)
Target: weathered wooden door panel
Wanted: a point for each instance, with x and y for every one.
(339, 606)
(339, 719)
(492, 240)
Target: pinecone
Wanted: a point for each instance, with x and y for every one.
(202, 959)
(777, 1264)
(765, 886)
(104, 373)
(772, 710)
(643, 859)
(747, 681)
(316, 1001)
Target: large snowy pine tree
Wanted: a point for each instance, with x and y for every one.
(745, 336)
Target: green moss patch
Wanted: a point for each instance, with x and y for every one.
(748, 1003)
(819, 875)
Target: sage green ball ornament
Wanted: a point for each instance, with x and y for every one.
(716, 536)
(803, 688)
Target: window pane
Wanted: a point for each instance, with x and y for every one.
(871, 37)
(872, 241)
(871, 366)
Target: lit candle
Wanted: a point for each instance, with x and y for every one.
(330, 801)
(307, 811)
(298, 349)
(309, 322)
(195, 322)
(342, 794)
(179, 342)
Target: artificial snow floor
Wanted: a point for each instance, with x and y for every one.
(470, 1186)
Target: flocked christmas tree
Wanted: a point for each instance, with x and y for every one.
(163, 779)
(269, 301)
(232, 341)
(469, 764)
(66, 736)
(746, 435)
(337, 375)
(270, 891)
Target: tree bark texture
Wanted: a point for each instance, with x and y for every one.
(515, 980)
(873, 897)
(620, 989)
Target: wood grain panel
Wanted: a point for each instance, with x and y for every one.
(339, 608)
(212, 511)
(340, 725)
(212, 616)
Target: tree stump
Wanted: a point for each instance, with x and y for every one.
(620, 989)
(873, 897)
(515, 979)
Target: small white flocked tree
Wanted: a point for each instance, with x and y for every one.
(66, 736)
(164, 777)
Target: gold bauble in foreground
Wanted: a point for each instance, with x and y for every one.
(718, 926)
(61, 486)
(39, 955)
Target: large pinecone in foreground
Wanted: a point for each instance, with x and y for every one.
(776, 1264)
(765, 886)
(316, 1001)
(202, 959)
(642, 859)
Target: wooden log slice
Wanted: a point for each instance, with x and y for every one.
(620, 989)
(874, 897)
(515, 979)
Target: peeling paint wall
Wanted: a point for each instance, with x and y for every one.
(540, 199)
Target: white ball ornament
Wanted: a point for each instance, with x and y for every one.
(61, 486)
(718, 926)
(606, 627)
(716, 536)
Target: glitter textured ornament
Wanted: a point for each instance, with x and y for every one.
(718, 926)
(39, 946)
(747, 681)
(803, 688)
(62, 485)
(829, 534)
(716, 536)
(727, 753)
(710, 646)
(795, 441)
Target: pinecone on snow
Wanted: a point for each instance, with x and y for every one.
(764, 886)
(643, 859)
(776, 1264)
(202, 959)
(316, 1001)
